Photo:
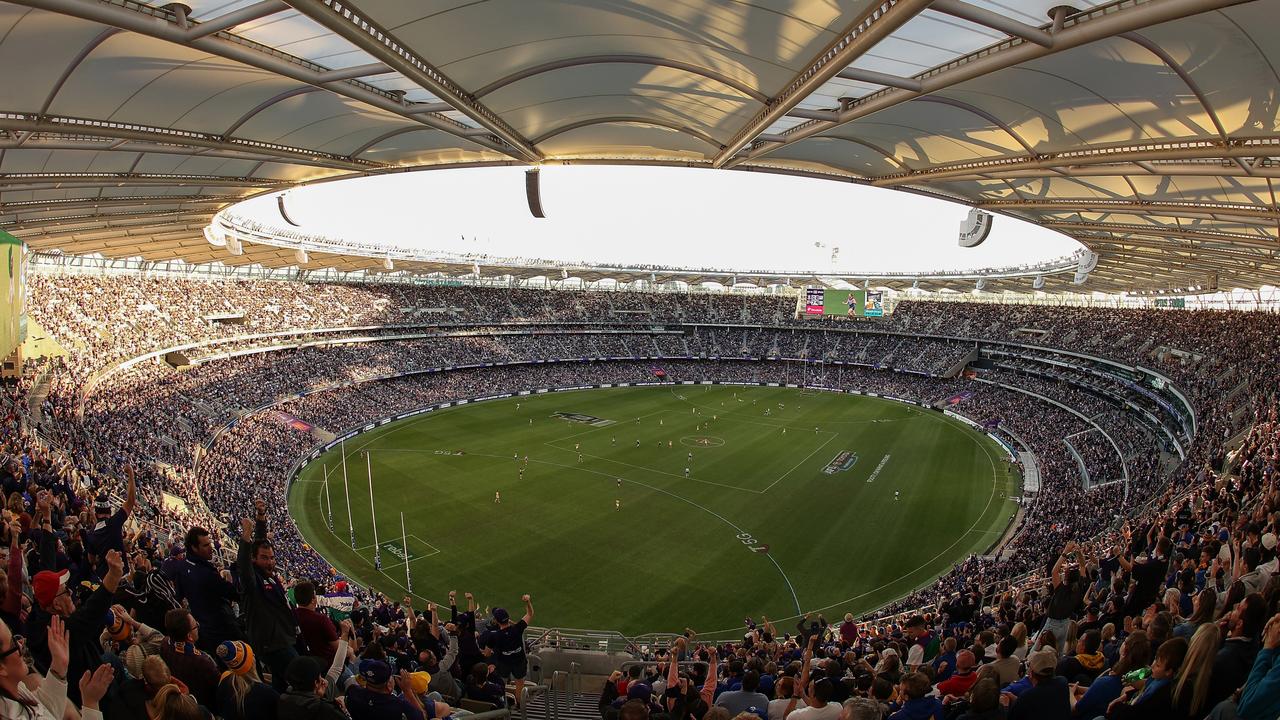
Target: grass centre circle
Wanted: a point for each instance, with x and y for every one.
(587, 477)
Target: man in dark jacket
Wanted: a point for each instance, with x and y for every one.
(1235, 658)
(208, 592)
(273, 630)
(84, 623)
(305, 698)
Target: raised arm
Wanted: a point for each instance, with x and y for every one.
(340, 655)
(410, 619)
(131, 495)
(13, 593)
(435, 620)
(1125, 563)
(1062, 560)
(713, 676)
(528, 609)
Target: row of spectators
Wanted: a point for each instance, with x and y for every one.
(1198, 557)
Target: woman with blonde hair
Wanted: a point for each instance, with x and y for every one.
(170, 703)
(1191, 689)
(241, 693)
(1019, 633)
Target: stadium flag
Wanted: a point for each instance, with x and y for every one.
(373, 517)
(351, 528)
(657, 371)
(404, 543)
(328, 502)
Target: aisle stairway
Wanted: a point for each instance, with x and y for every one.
(579, 706)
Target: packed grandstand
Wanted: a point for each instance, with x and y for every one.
(1131, 475)
(178, 354)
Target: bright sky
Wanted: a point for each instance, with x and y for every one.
(683, 217)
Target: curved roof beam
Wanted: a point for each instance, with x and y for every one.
(962, 105)
(385, 136)
(1137, 153)
(993, 20)
(634, 120)
(75, 63)
(874, 25)
(1177, 68)
(42, 206)
(622, 60)
(266, 104)
(162, 23)
(92, 179)
(1181, 209)
(134, 131)
(1122, 230)
(360, 30)
(1092, 25)
(870, 146)
(106, 219)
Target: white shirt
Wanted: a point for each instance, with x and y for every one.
(830, 711)
(779, 706)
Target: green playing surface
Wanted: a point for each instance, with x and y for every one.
(786, 512)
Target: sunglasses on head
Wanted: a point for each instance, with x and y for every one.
(16, 644)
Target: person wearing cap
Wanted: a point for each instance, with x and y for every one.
(273, 630)
(241, 694)
(372, 696)
(84, 623)
(1048, 697)
(306, 696)
(504, 645)
(107, 532)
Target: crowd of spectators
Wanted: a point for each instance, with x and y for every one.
(141, 581)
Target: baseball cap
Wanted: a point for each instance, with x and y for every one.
(1042, 662)
(1269, 541)
(418, 682)
(47, 584)
(102, 505)
(375, 672)
(501, 615)
(639, 691)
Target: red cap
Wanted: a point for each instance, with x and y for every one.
(47, 584)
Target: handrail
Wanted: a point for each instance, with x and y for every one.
(527, 692)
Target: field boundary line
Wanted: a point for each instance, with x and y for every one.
(683, 499)
(972, 529)
(805, 460)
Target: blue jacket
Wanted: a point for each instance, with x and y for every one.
(1261, 696)
(210, 598)
(925, 708)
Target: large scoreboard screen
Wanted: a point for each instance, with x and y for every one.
(827, 302)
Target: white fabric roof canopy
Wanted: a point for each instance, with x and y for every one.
(1146, 129)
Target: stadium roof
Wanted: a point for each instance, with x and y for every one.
(1147, 129)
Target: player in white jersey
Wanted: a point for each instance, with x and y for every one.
(497, 497)
(686, 473)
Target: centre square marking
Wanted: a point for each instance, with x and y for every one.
(701, 441)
